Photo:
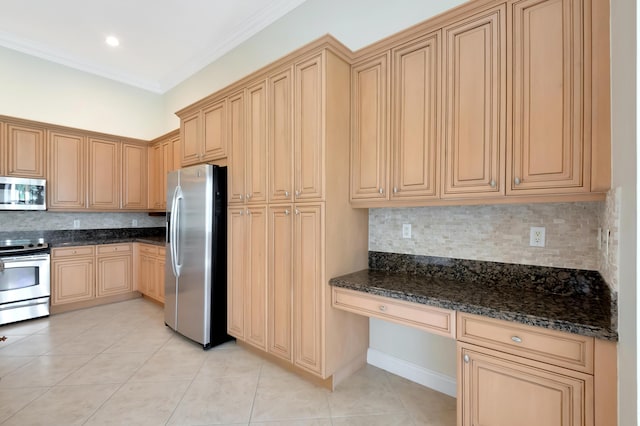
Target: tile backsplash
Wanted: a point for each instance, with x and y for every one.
(498, 233)
(48, 221)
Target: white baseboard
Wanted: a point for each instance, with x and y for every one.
(413, 372)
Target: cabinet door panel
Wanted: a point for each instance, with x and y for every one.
(147, 275)
(280, 284)
(256, 138)
(25, 150)
(134, 177)
(236, 253)
(497, 391)
(237, 153)
(215, 130)
(73, 281)
(416, 120)
(66, 186)
(104, 174)
(113, 275)
(281, 137)
(547, 96)
(309, 136)
(175, 149)
(308, 287)
(256, 285)
(369, 137)
(475, 99)
(190, 137)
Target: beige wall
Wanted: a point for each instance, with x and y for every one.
(356, 23)
(40, 90)
(624, 34)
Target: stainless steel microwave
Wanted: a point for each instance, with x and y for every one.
(23, 194)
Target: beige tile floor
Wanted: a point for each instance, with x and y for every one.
(119, 365)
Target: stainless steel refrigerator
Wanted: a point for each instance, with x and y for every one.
(196, 263)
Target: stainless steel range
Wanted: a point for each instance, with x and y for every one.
(25, 286)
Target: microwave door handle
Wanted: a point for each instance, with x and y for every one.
(172, 232)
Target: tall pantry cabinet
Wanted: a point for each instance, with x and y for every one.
(291, 227)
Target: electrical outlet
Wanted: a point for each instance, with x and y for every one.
(406, 230)
(536, 236)
(76, 223)
(134, 222)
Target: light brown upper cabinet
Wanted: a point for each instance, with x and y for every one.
(474, 105)
(237, 149)
(255, 179)
(369, 137)
(549, 150)
(280, 86)
(507, 104)
(164, 157)
(203, 134)
(24, 150)
(134, 177)
(416, 129)
(104, 174)
(308, 152)
(66, 171)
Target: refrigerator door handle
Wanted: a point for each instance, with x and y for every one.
(172, 231)
(176, 229)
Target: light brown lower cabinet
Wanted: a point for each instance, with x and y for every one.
(513, 374)
(73, 275)
(150, 264)
(84, 273)
(113, 269)
(499, 389)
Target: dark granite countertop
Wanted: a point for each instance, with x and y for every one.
(84, 237)
(562, 299)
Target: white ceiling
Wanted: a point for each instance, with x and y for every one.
(162, 42)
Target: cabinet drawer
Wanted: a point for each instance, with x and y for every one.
(72, 251)
(434, 320)
(148, 249)
(114, 248)
(550, 346)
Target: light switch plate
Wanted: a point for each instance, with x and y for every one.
(406, 230)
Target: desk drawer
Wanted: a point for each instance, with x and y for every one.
(114, 248)
(537, 343)
(434, 320)
(72, 251)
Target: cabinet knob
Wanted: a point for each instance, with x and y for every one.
(286, 193)
(297, 211)
(516, 339)
(74, 252)
(241, 197)
(286, 212)
(382, 308)
(395, 190)
(248, 212)
(241, 213)
(248, 196)
(517, 181)
(492, 183)
(466, 359)
(297, 194)
(381, 190)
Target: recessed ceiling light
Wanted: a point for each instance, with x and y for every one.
(112, 41)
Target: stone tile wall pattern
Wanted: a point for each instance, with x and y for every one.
(610, 220)
(49, 221)
(498, 233)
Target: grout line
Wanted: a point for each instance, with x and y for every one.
(255, 393)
